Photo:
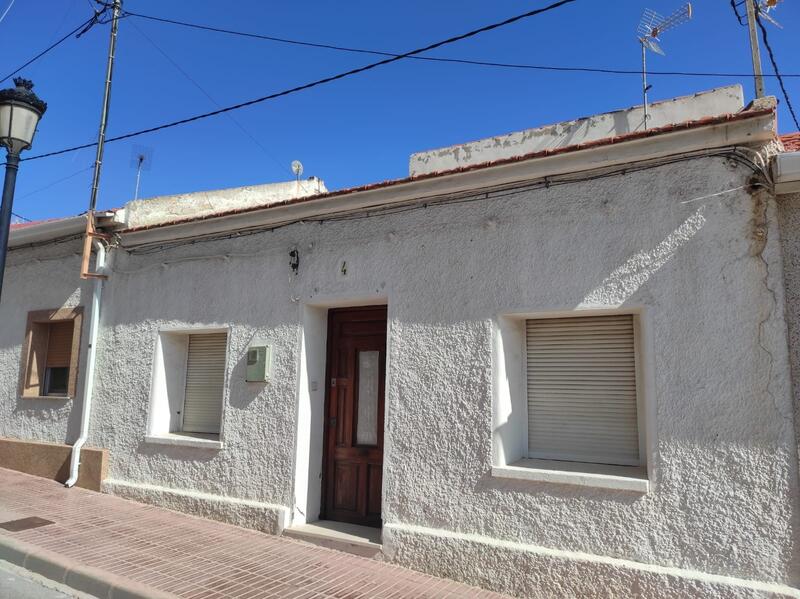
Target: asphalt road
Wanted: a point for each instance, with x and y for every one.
(16, 583)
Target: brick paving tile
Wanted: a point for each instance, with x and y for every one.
(195, 558)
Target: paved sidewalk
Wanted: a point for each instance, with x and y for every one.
(110, 547)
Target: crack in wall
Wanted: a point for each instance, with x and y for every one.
(759, 237)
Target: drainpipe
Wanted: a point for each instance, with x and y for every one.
(88, 388)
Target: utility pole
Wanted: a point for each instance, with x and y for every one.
(91, 234)
(758, 78)
(645, 87)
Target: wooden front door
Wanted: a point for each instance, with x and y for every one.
(352, 478)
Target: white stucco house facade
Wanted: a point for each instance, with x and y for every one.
(554, 363)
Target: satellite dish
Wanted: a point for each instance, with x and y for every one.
(297, 168)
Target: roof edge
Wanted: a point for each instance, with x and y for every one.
(608, 141)
(47, 230)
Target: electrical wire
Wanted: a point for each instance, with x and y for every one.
(56, 241)
(775, 69)
(318, 82)
(19, 216)
(734, 154)
(56, 182)
(78, 31)
(735, 6)
(214, 102)
(5, 12)
(484, 63)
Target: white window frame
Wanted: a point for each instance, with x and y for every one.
(640, 404)
(185, 380)
(510, 449)
(167, 430)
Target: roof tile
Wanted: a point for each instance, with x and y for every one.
(791, 142)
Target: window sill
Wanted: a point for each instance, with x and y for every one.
(45, 397)
(183, 441)
(623, 478)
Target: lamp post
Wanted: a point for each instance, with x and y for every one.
(20, 111)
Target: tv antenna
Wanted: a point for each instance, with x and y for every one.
(764, 7)
(649, 32)
(297, 169)
(141, 160)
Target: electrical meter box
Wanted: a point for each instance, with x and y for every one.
(259, 362)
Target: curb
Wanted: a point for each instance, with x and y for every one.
(68, 572)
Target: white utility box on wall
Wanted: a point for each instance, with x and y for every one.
(259, 363)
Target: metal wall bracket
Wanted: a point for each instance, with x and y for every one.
(89, 237)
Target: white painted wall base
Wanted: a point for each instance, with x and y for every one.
(265, 517)
(535, 571)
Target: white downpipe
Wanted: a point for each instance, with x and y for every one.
(88, 388)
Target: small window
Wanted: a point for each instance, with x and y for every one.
(582, 389)
(205, 381)
(52, 344)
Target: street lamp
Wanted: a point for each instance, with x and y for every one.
(20, 111)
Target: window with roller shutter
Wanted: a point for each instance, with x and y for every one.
(59, 356)
(51, 352)
(582, 389)
(205, 381)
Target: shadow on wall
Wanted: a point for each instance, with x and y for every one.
(241, 392)
(38, 416)
(45, 412)
(626, 280)
(173, 452)
(510, 442)
(491, 484)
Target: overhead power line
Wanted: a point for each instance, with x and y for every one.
(482, 63)
(739, 17)
(318, 82)
(78, 31)
(56, 182)
(5, 12)
(203, 91)
(775, 68)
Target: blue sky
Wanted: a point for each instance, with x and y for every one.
(350, 132)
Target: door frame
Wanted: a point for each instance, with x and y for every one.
(325, 471)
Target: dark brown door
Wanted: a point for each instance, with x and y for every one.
(352, 479)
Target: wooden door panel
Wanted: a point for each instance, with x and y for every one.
(345, 481)
(358, 328)
(374, 489)
(353, 472)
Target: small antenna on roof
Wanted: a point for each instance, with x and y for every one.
(141, 160)
(649, 31)
(297, 169)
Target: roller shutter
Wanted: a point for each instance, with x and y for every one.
(581, 379)
(59, 344)
(205, 379)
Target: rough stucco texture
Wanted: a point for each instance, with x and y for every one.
(723, 465)
(39, 279)
(789, 218)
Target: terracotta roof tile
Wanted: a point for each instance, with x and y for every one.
(791, 142)
(607, 141)
(15, 226)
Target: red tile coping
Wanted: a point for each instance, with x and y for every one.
(109, 546)
(791, 142)
(606, 141)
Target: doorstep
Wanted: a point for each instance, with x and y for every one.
(342, 536)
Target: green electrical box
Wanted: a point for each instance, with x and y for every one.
(259, 361)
